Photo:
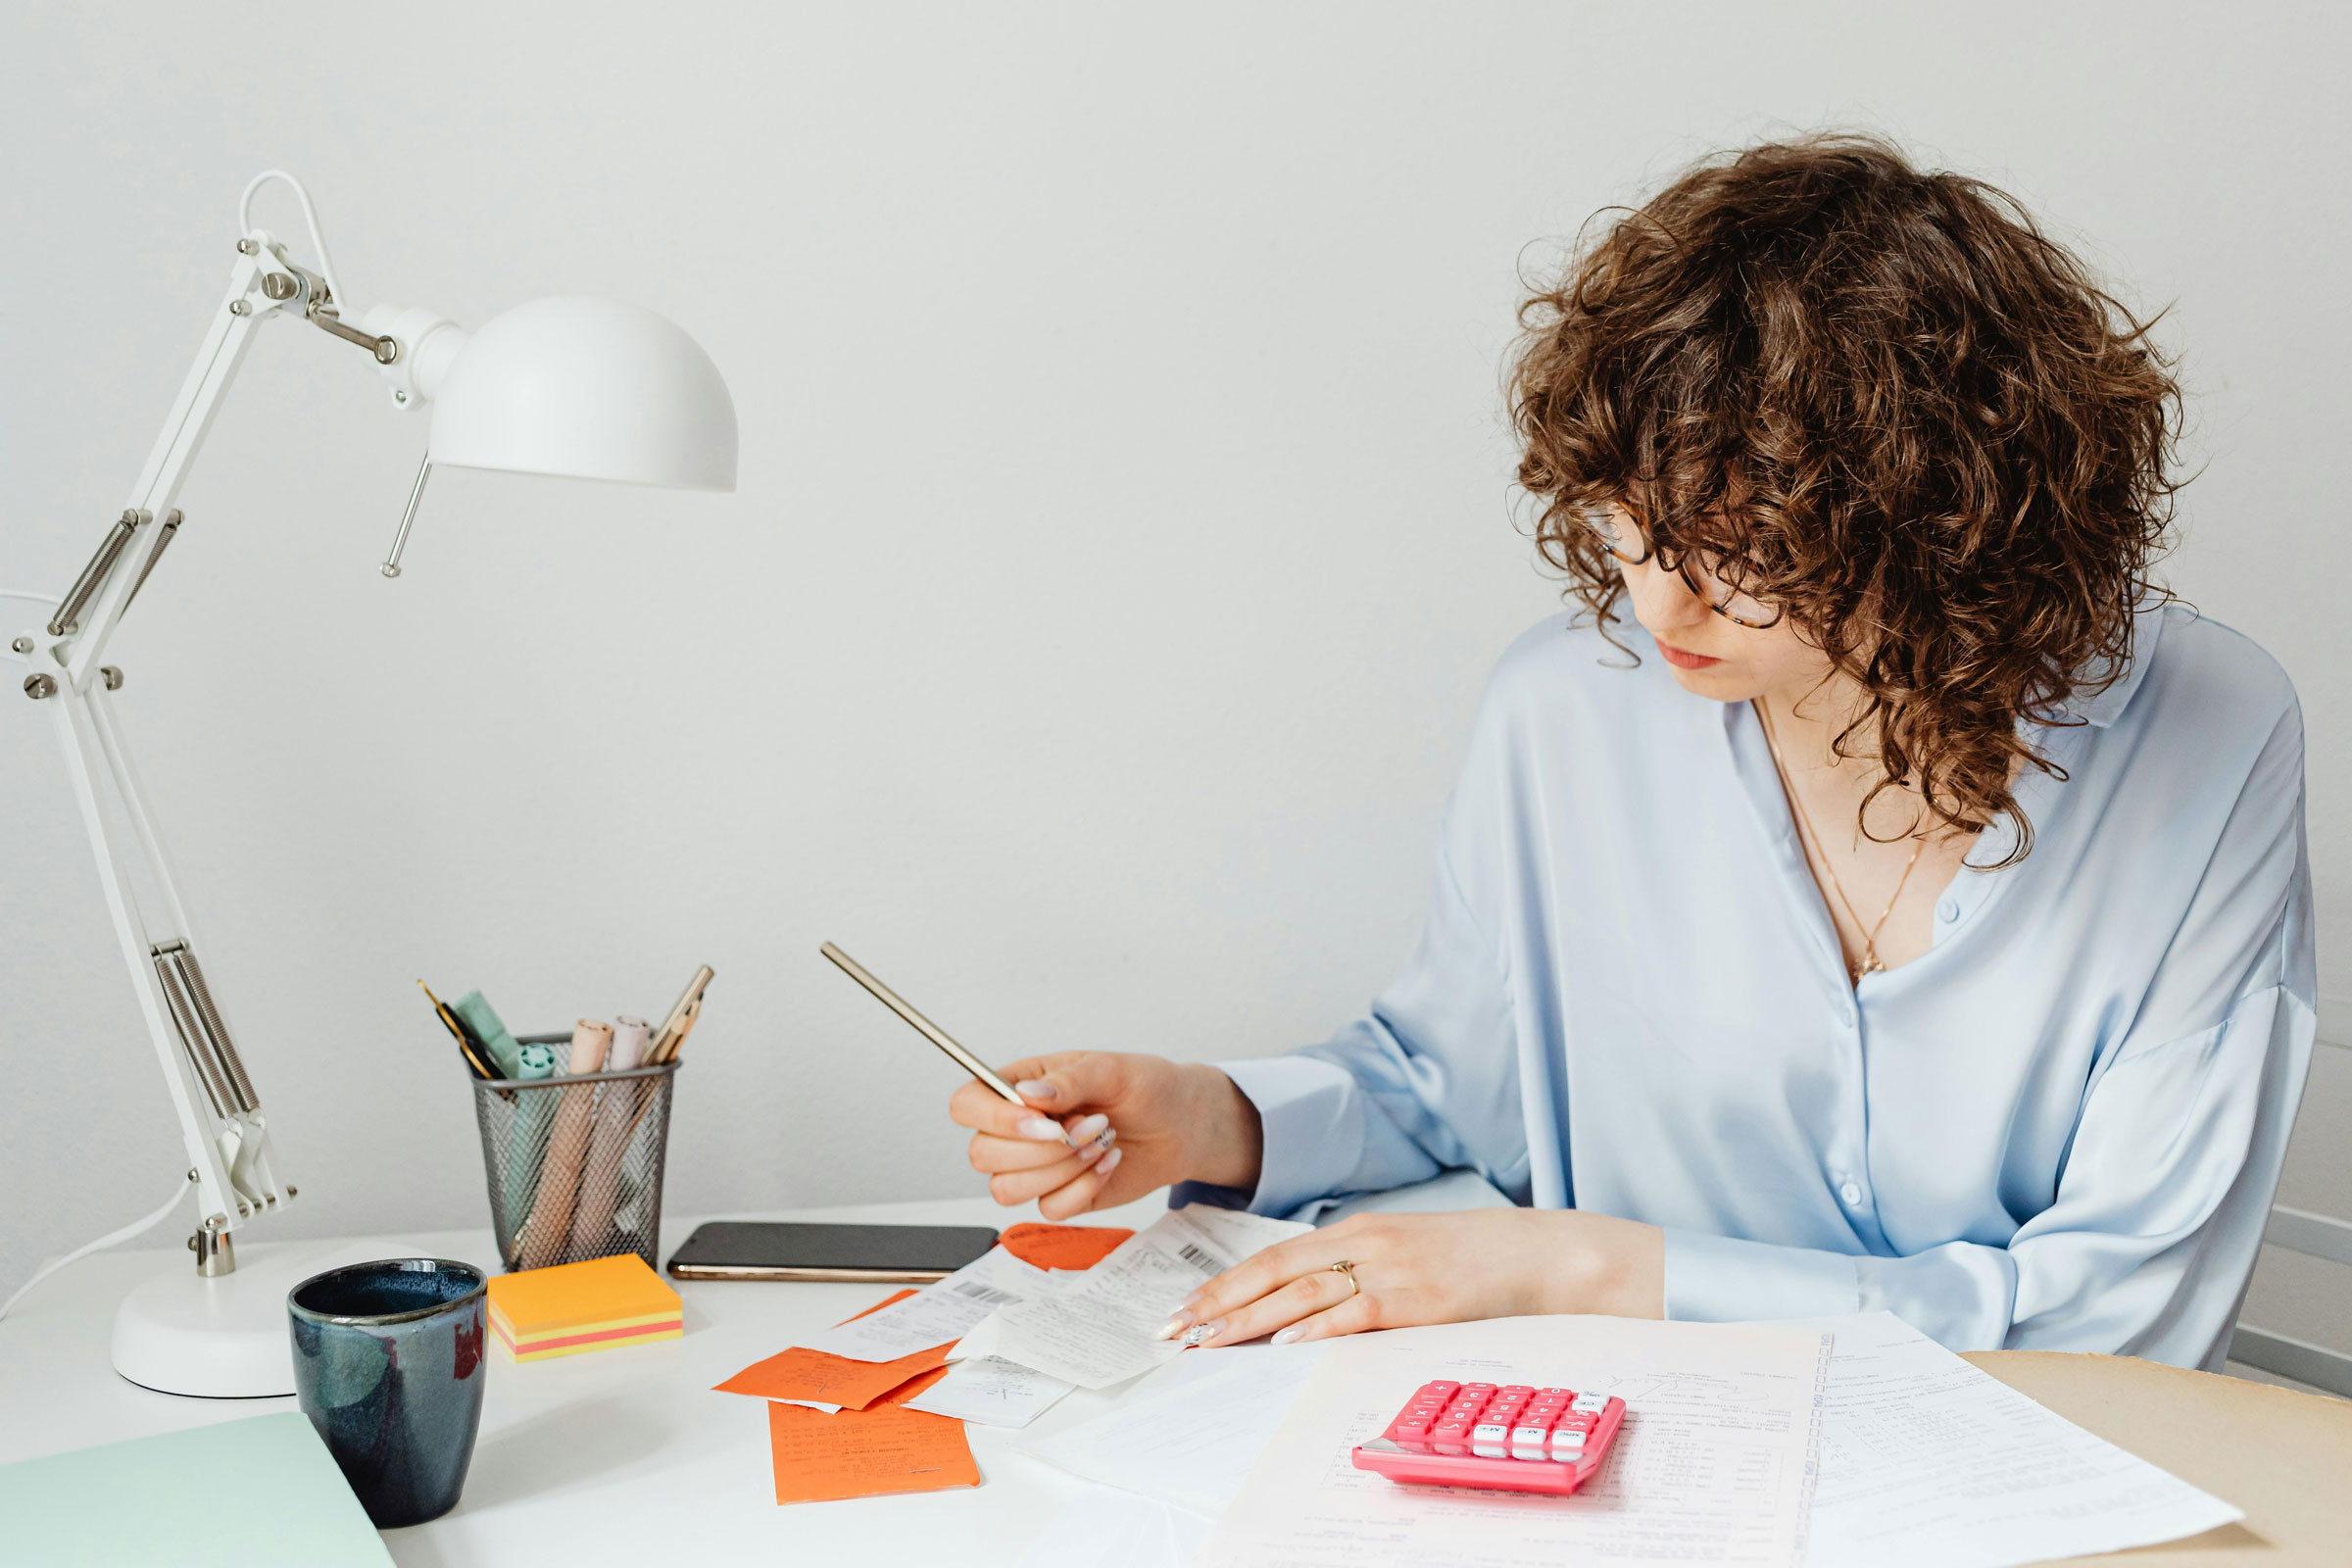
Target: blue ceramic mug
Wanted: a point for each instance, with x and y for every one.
(388, 1366)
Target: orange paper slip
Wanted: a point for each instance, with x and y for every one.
(801, 1376)
(866, 1453)
(1062, 1246)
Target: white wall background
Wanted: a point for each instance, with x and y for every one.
(1121, 542)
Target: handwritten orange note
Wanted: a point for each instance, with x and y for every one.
(802, 1374)
(1062, 1246)
(875, 1445)
(866, 1453)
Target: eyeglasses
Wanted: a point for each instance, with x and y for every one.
(1701, 572)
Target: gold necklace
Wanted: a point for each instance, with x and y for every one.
(1870, 963)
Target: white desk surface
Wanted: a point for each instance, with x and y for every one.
(621, 1456)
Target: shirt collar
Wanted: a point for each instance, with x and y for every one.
(2101, 709)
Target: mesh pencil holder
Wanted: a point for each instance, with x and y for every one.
(574, 1164)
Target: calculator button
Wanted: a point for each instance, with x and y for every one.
(1441, 1390)
(1561, 1395)
(1518, 1387)
(1593, 1402)
(1481, 1390)
(1489, 1441)
(1526, 1442)
(1567, 1444)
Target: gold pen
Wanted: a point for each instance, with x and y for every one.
(927, 1029)
(672, 1034)
(449, 1022)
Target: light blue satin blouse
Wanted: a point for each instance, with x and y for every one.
(2057, 1129)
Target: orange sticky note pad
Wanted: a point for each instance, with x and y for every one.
(598, 1306)
(1062, 1246)
(866, 1453)
(803, 1374)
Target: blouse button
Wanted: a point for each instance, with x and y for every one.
(1948, 910)
(1852, 1192)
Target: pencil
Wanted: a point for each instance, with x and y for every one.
(926, 1028)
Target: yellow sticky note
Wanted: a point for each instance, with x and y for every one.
(599, 1305)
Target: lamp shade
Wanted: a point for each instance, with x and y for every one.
(587, 388)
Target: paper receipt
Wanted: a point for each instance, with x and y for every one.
(991, 1391)
(1096, 1329)
(937, 1314)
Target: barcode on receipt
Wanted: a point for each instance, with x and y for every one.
(984, 1293)
(1200, 1258)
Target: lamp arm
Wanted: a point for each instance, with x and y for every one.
(225, 1137)
(85, 622)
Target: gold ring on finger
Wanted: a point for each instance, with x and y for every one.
(1347, 1266)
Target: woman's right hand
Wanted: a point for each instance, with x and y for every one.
(1138, 1123)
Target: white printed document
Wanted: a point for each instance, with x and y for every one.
(1715, 1462)
(1098, 1329)
(1928, 1462)
(940, 1313)
(1188, 1441)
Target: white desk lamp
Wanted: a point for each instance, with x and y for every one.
(570, 386)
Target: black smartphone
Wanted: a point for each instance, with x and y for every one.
(764, 1250)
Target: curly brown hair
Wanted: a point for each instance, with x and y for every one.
(1911, 418)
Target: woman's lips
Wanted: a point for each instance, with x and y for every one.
(1683, 661)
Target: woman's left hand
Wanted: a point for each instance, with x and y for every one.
(1432, 1268)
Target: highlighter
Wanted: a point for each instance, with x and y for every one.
(550, 1225)
(526, 1143)
(617, 1111)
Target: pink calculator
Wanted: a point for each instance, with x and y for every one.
(1515, 1438)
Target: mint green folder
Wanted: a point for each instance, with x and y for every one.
(257, 1493)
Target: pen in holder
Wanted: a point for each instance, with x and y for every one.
(574, 1161)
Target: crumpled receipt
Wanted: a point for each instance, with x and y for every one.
(1098, 1329)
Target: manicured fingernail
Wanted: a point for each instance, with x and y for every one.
(1044, 1129)
(1174, 1326)
(1290, 1335)
(1109, 1163)
(1089, 1127)
(1201, 1335)
(1104, 1140)
(1035, 1088)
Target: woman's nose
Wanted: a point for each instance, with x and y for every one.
(1662, 600)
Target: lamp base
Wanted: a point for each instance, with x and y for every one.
(226, 1337)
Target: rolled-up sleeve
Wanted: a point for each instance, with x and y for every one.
(1428, 1081)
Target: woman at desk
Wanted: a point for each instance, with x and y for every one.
(1874, 895)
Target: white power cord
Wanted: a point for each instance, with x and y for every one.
(310, 216)
(110, 1239)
